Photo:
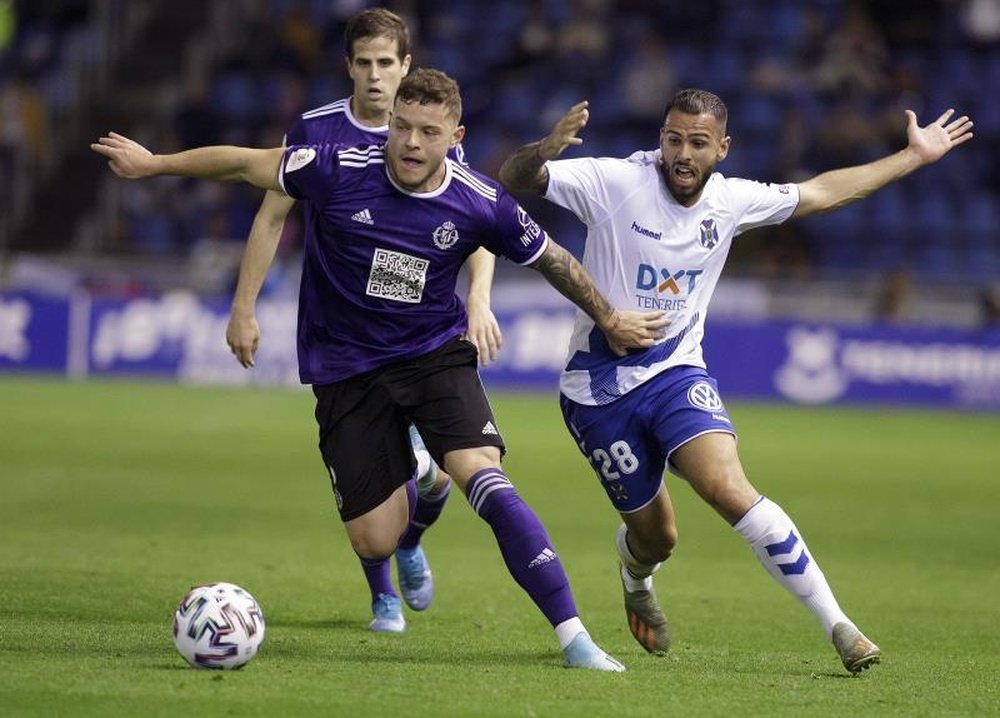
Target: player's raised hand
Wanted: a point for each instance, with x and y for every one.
(626, 330)
(243, 336)
(126, 158)
(932, 142)
(564, 133)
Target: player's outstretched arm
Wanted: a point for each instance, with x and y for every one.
(130, 160)
(243, 332)
(624, 329)
(524, 171)
(926, 145)
(483, 330)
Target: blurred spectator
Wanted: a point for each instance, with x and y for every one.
(894, 299)
(981, 20)
(990, 302)
(649, 81)
(583, 43)
(24, 124)
(196, 122)
(854, 56)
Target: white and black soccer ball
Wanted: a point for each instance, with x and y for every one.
(218, 625)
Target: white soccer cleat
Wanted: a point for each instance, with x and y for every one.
(582, 652)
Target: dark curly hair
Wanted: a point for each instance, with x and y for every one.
(431, 87)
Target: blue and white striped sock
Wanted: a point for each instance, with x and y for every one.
(778, 545)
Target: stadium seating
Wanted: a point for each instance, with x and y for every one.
(784, 89)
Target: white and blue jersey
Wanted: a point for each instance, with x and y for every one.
(384, 261)
(646, 251)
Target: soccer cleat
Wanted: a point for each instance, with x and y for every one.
(582, 652)
(388, 612)
(426, 468)
(415, 582)
(645, 617)
(856, 652)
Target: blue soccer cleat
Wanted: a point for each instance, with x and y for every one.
(582, 652)
(388, 612)
(415, 582)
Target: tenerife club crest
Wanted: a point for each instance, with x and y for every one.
(445, 236)
(708, 234)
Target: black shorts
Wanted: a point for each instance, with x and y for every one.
(364, 422)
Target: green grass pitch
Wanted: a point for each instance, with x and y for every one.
(115, 497)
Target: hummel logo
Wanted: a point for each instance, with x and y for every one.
(364, 216)
(636, 227)
(546, 556)
(490, 429)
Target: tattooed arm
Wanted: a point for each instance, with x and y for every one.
(624, 329)
(524, 171)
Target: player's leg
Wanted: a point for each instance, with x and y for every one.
(373, 537)
(527, 551)
(629, 464)
(364, 445)
(711, 465)
(644, 541)
(450, 408)
(433, 486)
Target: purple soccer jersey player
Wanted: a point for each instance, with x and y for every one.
(377, 58)
(386, 289)
(384, 295)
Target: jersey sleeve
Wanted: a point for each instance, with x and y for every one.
(645, 157)
(762, 204)
(580, 186)
(516, 235)
(309, 171)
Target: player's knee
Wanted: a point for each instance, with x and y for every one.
(654, 547)
(374, 540)
(373, 547)
(729, 493)
(665, 544)
(669, 541)
(462, 464)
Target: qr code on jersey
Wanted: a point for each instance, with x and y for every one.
(397, 276)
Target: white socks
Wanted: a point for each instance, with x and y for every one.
(780, 548)
(567, 630)
(636, 576)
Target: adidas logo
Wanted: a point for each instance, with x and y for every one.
(546, 556)
(364, 216)
(490, 429)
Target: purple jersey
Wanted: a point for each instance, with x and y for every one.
(378, 283)
(335, 124)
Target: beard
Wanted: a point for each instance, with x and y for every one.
(684, 194)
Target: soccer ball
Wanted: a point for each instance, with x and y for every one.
(218, 625)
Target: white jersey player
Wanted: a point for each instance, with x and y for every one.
(660, 226)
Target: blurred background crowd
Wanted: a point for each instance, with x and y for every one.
(810, 86)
